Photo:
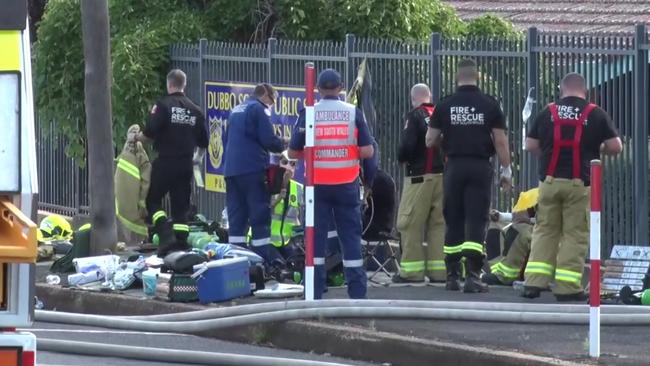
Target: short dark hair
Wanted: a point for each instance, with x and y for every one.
(264, 89)
(467, 69)
(177, 79)
(573, 81)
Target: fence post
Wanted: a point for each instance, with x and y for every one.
(310, 76)
(434, 67)
(350, 75)
(530, 177)
(271, 49)
(203, 50)
(640, 137)
(594, 259)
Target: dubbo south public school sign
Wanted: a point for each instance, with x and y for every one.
(221, 98)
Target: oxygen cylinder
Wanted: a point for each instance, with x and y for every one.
(645, 297)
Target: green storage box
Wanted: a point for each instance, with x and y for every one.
(176, 287)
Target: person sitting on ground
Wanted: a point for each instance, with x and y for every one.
(515, 239)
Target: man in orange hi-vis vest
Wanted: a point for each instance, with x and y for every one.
(342, 139)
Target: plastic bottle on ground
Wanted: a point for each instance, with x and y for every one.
(53, 280)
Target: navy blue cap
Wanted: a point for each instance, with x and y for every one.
(329, 79)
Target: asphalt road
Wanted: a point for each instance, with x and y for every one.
(153, 340)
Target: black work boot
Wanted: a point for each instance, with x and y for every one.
(473, 283)
(531, 292)
(492, 279)
(166, 237)
(182, 233)
(453, 276)
(579, 296)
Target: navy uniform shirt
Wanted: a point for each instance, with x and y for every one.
(249, 138)
(598, 128)
(177, 126)
(466, 119)
(364, 138)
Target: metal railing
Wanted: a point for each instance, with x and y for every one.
(616, 69)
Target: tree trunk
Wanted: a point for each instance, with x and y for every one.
(96, 44)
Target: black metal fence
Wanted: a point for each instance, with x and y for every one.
(616, 69)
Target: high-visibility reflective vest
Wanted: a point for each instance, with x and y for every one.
(336, 153)
(573, 144)
(281, 231)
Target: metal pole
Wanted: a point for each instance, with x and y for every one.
(640, 138)
(594, 259)
(271, 49)
(530, 163)
(203, 50)
(434, 68)
(310, 77)
(350, 73)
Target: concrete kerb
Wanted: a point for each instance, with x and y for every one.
(307, 336)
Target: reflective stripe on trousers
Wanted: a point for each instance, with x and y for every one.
(568, 276)
(540, 268)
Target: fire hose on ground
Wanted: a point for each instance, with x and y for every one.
(220, 318)
(224, 312)
(208, 320)
(171, 356)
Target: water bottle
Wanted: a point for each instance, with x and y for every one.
(224, 219)
(53, 280)
(525, 115)
(518, 286)
(38, 304)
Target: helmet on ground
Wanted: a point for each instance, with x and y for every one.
(54, 227)
(526, 200)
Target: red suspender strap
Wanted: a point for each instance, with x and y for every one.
(557, 140)
(577, 161)
(574, 144)
(428, 167)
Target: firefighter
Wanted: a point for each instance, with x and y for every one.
(472, 127)
(177, 127)
(565, 136)
(515, 241)
(132, 178)
(419, 219)
(336, 179)
(248, 140)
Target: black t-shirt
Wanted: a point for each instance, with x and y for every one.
(413, 150)
(466, 119)
(177, 126)
(597, 128)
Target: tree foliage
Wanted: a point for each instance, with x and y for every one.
(141, 32)
(490, 25)
(394, 19)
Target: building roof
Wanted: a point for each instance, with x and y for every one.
(584, 16)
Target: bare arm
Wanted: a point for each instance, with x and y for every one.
(532, 145)
(432, 137)
(612, 146)
(501, 146)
